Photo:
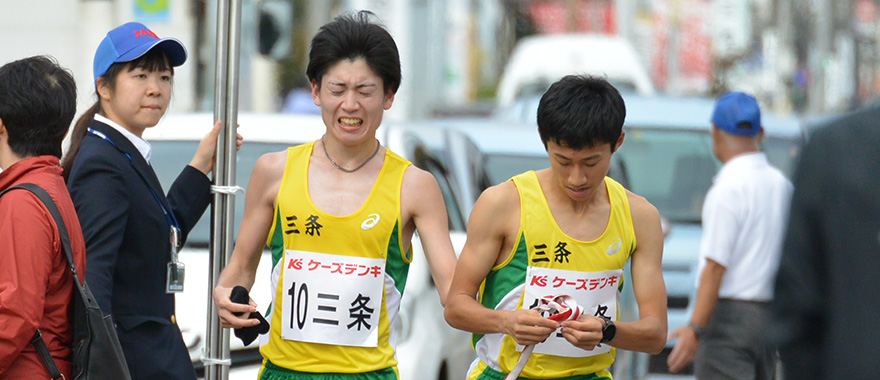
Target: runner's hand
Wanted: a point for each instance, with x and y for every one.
(528, 326)
(226, 309)
(585, 332)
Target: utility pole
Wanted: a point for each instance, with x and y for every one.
(786, 65)
(626, 14)
(824, 33)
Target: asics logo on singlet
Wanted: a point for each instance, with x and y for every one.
(371, 222)
(614, 247)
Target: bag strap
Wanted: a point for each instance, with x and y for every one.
(43, 351)
(59, 222)
(44, 197)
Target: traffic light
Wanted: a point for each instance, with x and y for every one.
(274, 28)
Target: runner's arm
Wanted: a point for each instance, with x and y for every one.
(432, 223)
(255, 224)
(648, 334)
(491, 219)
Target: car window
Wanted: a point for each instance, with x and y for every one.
(170, 157)
(783, 152)
(501, 167)
(454, 216)
(672, 169)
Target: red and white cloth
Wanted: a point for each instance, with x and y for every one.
(561, 308)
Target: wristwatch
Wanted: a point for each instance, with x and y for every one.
(698, 331)
(608, 331)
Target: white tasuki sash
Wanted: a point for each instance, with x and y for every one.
(596, 292)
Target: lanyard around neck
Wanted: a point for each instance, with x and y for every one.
(169, 216)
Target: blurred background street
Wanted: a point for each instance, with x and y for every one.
(798, 56)
(473, 71)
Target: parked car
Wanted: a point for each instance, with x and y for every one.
(426, 348)
(539, 60)
(666, 157)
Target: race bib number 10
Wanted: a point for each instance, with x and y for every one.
(331, 299)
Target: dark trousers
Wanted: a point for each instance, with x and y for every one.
(734, 345)
(155, 350)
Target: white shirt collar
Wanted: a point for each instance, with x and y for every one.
(140, 144)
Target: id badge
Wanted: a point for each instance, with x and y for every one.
(176, 271)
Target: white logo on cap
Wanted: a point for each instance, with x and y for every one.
(370, 222)
(614, 247)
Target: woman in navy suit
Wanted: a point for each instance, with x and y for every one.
(132, 229)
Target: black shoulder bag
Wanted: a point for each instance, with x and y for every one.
(97, 354)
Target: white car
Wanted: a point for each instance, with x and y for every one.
(427, 346)
(538, 61)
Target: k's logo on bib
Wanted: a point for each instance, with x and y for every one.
(370, 222)
(614, 247)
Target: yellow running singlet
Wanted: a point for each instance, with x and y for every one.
(338, 280)
(546, 261)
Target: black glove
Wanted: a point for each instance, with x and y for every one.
(248, 334)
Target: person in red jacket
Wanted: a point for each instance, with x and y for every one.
(37, 104)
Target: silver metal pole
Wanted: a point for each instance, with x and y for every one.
(217, 358)
(212, 343)
(220, 62)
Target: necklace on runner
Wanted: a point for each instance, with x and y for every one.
(324, 147)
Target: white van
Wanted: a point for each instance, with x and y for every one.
(538, 61)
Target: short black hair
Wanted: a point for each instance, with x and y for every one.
(581, 111)
(37, 104)
(351, 36)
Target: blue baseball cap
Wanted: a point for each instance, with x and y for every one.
(737, 113)
(130, 41)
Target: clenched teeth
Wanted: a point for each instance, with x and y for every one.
(347, 121)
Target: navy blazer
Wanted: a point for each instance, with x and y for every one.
(828, 273)
(128, 246)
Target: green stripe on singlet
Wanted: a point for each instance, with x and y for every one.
(502, 281)
(395, 265)
(276, 245)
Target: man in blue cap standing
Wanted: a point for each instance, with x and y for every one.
(743, 218)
